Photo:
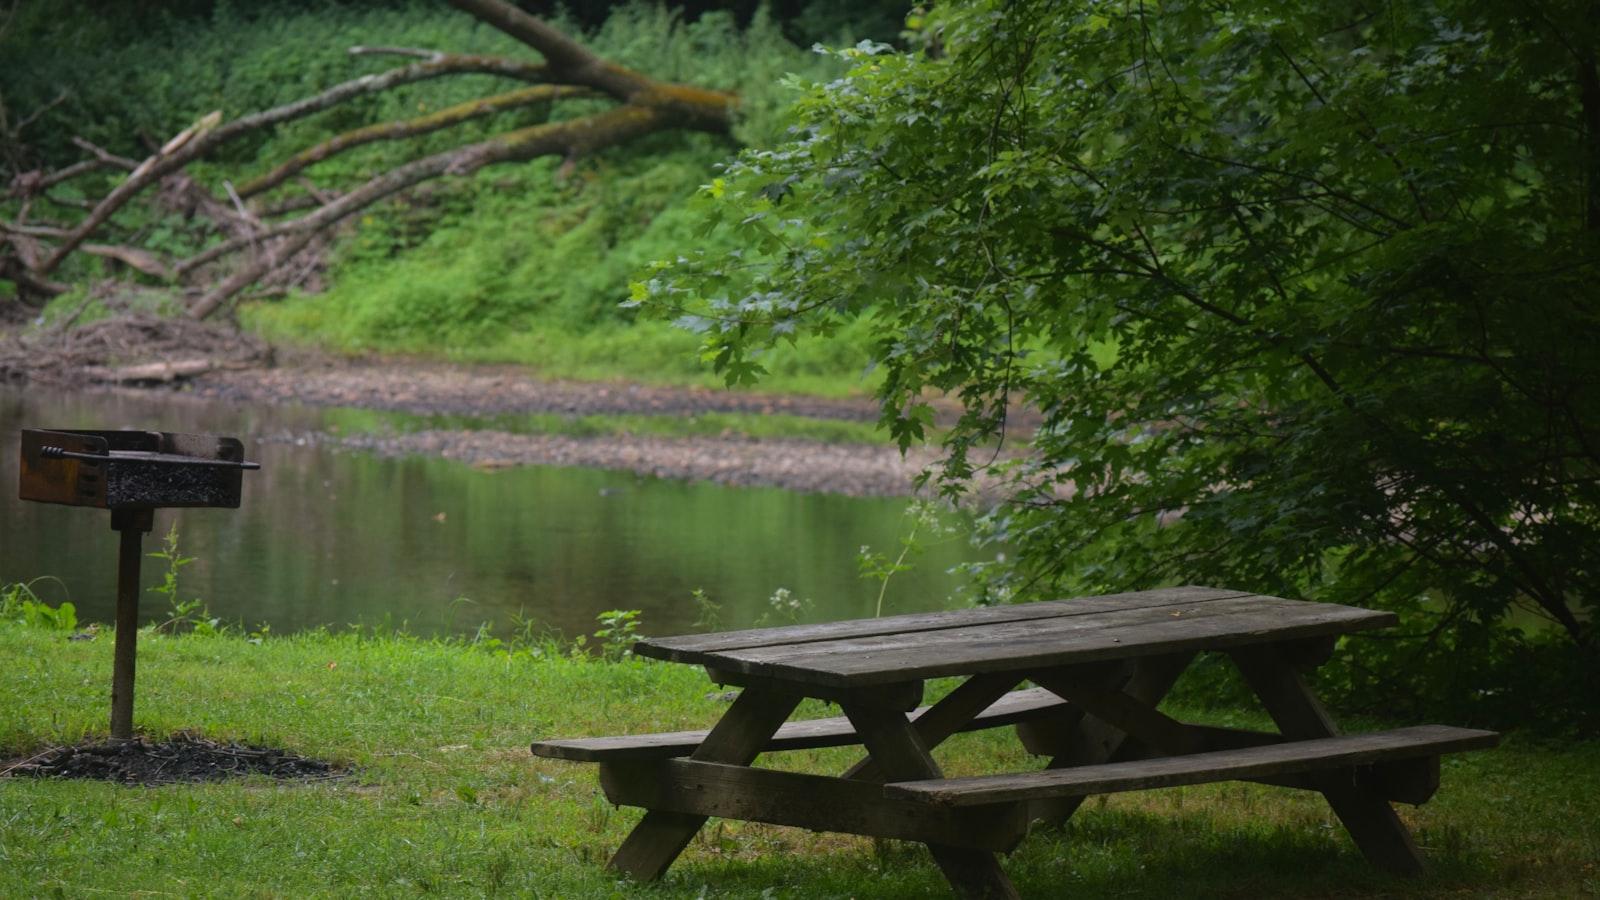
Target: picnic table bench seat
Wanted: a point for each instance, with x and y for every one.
(1013, 708)
(1425, 742)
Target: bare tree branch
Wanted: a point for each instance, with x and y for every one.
(106, 157)
(392, 131)
(414, 52)
(157, 166)
(32, 117)
(569, 70)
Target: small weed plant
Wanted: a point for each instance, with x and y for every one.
(618, 632)
(707, 612)
(192, 614)
(925, 521)
(784, 607)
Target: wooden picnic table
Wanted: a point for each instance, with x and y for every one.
(1101, 664)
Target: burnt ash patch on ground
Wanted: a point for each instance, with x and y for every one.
(181, 759)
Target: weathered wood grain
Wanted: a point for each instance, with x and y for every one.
(1198, 768)
(737, 739)
(906, 696)
(681, 648)
(967, 708)
(901, 755)
(1010, 709)
(1130, 715)
(1371, 821)
(1042, 643)
(816, 802)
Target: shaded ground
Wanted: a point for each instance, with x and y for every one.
(182, 758)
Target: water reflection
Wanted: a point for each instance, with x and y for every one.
(331, 537)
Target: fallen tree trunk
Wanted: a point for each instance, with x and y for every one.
(157, 372)
(158, 165)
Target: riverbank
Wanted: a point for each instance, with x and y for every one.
(497, 415)
(864, 463)
(433, 389)
(443, 796)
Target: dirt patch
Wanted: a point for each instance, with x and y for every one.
(181, 759)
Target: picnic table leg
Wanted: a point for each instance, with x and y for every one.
(1091, 741)
(946, 717)
(1371, 821)
(899, 754)
(736, 739)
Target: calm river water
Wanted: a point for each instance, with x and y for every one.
(328, 537)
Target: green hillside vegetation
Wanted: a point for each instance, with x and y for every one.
(520, 263)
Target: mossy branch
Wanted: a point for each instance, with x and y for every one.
(399, 130)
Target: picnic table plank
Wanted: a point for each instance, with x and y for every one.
(1009, 709)
(1198, 768)
(1110, 660)
(799, 800)
(683, 648)
(1040, 643)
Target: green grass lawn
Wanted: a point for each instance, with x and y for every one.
(446, 799)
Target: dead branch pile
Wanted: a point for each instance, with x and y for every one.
(270, 244)
(132, 348)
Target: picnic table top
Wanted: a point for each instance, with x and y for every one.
(867, 652)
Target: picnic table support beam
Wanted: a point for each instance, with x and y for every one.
(900, 755)
(1371, 821)
(1091, 741)
(737, 739)
(946, 717)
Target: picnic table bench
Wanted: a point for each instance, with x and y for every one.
(1101, 666)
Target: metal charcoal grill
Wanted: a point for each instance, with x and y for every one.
(131, 473)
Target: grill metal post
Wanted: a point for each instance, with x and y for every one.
(130, 525)
(132, 474)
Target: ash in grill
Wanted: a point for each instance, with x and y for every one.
(131, 473)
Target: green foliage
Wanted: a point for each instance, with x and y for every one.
(618, 632)
(21, 604)
(517, 263)
(784, 607)
(708, 612)
(191, 614)
(1304, 294)
(924, 518)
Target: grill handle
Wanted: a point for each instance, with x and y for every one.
(59, 453)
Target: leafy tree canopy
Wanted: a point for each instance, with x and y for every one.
(1303, 291)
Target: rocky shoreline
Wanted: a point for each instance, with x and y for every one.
(864, 470)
